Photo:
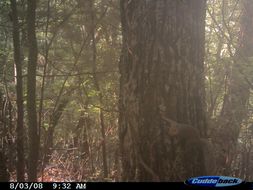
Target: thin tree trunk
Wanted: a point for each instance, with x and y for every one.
(96, 83)
(19, 91)
(44, 70)
(31, 92)
(54, 119)
(4, 176)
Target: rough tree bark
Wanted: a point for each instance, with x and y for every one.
(31, 91)
(161, 77)
(19, 90)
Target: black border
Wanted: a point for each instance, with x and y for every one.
(127, 186)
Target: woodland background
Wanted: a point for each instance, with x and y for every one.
(108, 90)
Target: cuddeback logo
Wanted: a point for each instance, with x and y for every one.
(214, 181)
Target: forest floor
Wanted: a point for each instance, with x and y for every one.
(62, 169)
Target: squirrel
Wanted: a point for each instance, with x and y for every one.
(180, 131)
(197, 151)
(177, 130)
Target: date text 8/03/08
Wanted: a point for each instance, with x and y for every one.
(26, 186)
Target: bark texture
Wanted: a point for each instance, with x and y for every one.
(161, 79)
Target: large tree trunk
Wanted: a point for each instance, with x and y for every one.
(31, 92)
(161, 79)
(19, 90)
